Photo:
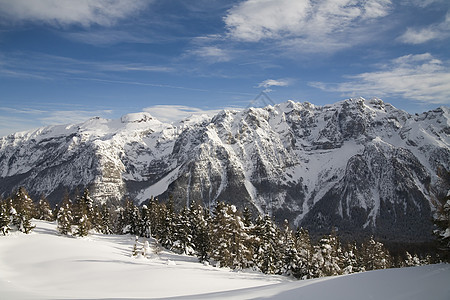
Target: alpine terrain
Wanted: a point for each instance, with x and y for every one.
(359, 166)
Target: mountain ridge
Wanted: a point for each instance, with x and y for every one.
(357, 165)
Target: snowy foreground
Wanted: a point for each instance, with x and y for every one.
(44, 265)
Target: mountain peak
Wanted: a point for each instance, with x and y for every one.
(140, 117)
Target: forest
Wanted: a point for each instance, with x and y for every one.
(223, 237)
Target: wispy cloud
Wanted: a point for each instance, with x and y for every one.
(212, 54)
(269, 83)
(273, 82)
(422, 35)
(68, 12)
(43, 66)
(15, 119)
(304, 22)
(419, 77)
(174, 113)
(107, 37)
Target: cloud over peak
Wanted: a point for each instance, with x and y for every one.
(420, 77)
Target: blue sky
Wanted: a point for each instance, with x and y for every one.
(64, 61)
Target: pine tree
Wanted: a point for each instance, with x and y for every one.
(106, 227)
(200, 222)
(329, 255)
(24, 211)
(291, 259)
(306, 267)
(146, 224)
(43, 210)
(442, 231)
(267, 255)
(65, 217)
(4, 218)
(229, 238)
(374, 256)
(166, 225)
(350, 259)
(183, 233)
(412, 261)
(130, 219)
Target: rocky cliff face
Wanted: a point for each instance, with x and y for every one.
(361, 166)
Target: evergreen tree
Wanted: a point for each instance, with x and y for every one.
(350, 259)
(305, 249)
(24, 211)
(183, 242)
(4, 218)
(230, 241)
(267, 256)
(43, 210)
(247, 217)
(291, 257)
(374, 256)
(130, 219)
(146, 224)
(442, 231)
(412, 261)
(200, 222)
(65, 217)
(106, 227)
(329, 255)
(166, 225)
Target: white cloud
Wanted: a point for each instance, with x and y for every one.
(107, 37)
(272, 82)
(26, 118)
(69, 12)
(303, 21)
(174, 113)
(212, 54)
(417, 77)
(422, 35)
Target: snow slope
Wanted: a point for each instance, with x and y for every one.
(44, 265)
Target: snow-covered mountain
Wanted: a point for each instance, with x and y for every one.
(358, 165)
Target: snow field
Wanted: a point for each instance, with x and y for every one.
(45, 265)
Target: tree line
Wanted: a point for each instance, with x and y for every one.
(224, 236)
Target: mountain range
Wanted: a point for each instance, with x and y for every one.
(358, 166)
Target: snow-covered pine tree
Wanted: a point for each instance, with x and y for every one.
(329, 255)
(442, 231)
(374, 256)
(146, 224)
(65, 217)
(24, 209)
(291, 259)
(200, 222)
(183, 233)
(84, 214)
(305, 250)
(83, 226)
(96, 219)
(412, 260)
(267, 256)
(153, 215)
(43, 210)
(230, 241)
(4, 218)
(247, 218)
(105, 222)
(130, 219)
(350, 259)
(166, 228)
